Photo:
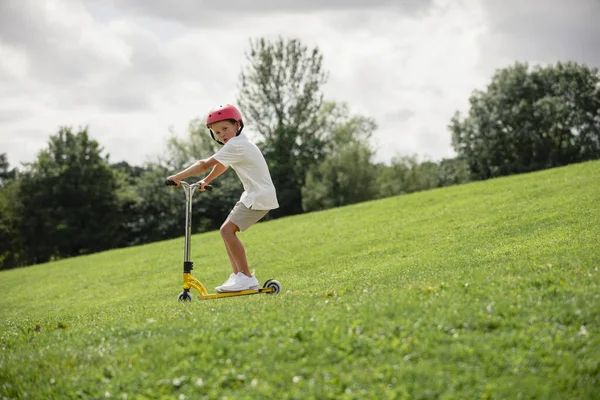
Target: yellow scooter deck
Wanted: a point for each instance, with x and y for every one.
(231, 294)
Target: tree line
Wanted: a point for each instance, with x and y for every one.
(72, 200)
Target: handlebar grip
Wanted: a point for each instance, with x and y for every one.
(208, 187)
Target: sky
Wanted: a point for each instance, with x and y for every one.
(136, 72)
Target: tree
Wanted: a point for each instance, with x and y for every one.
(347, 174)
(69, 200)
(453, 171)
(280, 97)
(129, 172)
(6, 173)
(531, 119)
(11, 241)
(407, 175)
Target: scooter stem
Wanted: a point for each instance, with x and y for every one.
(189, 193)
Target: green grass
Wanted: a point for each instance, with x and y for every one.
(489, 290)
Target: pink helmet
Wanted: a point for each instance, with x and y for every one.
(222, 113)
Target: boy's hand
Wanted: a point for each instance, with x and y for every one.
(202, 184)
(174, 179)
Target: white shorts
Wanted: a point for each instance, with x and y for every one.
(245, 217)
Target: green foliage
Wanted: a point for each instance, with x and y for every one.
(280, 97)
(531, 119)
(453, 171)
(11, 242)
(347, 174)
(68, 199)
(406, 175)
(128, 173)
(485, 290)
(6, 173)
(155, 212)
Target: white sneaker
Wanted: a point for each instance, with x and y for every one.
(240, 282)
(218, 289)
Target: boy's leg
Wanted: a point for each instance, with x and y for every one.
(234, 270)
(234, 267)
(235, 248)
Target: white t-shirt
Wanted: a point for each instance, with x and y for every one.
(250, 166)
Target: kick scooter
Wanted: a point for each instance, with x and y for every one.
(270, 287)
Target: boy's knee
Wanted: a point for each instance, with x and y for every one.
(228, 229)
(224, 230)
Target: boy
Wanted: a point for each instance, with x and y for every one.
(225, 125)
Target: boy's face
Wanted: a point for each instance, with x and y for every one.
(225, 130)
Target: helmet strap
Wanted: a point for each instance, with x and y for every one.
(237, 134)
(214, 138)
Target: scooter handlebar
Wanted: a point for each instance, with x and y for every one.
(169, 182)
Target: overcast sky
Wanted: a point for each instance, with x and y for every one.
(134, 70)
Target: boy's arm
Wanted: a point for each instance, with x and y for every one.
(217, 170)
(197, 168)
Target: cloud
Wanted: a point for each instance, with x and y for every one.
(61, 43)
(526, 30)
(131, 79)
(132, 69)
(402, 115)
(212, 13)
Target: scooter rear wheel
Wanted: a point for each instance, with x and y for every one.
(273, 284)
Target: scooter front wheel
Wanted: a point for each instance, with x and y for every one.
(184, 296)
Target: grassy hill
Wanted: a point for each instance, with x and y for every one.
(486, 290)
